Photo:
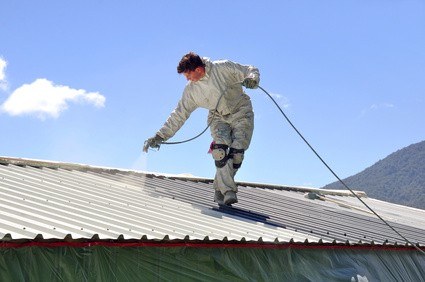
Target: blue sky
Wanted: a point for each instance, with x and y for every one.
(88, 81)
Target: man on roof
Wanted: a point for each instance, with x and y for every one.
(216, 86)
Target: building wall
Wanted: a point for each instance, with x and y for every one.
(207, 262)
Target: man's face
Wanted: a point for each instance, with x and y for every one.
(195, 75)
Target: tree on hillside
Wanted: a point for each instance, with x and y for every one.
(399, 178)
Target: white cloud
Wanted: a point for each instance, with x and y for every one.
(283, 101)
(3, 82)
(380, 106)
(45, 99)
(376, 107)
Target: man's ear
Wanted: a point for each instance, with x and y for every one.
(200, 69)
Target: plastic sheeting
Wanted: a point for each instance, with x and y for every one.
(208, 263)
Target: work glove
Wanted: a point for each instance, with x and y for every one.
(250, 83)
(153, 142)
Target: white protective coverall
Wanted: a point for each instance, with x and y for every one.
(232, 119)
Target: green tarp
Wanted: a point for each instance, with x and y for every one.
(206, 263)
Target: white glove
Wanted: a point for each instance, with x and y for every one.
(250, 83)
(153, 142)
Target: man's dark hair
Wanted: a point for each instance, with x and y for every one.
(190, 62)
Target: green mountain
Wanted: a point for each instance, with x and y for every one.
(399, 178)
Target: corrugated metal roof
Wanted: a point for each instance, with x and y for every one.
(59, 200)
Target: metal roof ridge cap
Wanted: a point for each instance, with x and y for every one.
(63, 165)
(398, 205)
(304, 189)
(182, 176)
(85, 167)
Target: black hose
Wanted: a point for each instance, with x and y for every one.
(337, 177)
(317, 155)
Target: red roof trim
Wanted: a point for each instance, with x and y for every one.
(203, 245)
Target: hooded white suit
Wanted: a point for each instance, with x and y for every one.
(230, 111)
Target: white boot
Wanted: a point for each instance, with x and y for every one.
(218, 197)
(230, 198)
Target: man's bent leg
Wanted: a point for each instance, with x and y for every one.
(221, 133)
(242, 127)
(225, 183)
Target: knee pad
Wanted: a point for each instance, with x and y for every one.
(237, 155)
(219, 154)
